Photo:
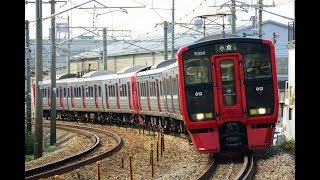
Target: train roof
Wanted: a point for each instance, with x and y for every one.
(226, 40)
(153, 71)
(135, 68)
(163, 63)
(97, 73)
(175, 64)
(60, 76)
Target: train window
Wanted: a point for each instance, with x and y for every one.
(145, 89)
(290, 114)
(64, 92)
(197, 71)
(154, 89)
(99, 91)
(174, 86)
(113, 91)
(168, 87)
(79, 92)
(91, 91)
(125, 90)
(57, 92)
(142, 90)
(139, 89)
(150, 89)
(129, 92)
(68, 93)
(122, 90)
(160, 88)
(228, 83)
(257, 61)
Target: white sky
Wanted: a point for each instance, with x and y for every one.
(143, 21)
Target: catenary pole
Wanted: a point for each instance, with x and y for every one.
(28, 95)
(165, 29)
(53, 78)
(172, 33)
(38, 140)
(68, 47)
(104, 54)
(233, 17)
(260, 18)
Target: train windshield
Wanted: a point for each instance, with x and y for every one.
(257, 61)
(197, 71)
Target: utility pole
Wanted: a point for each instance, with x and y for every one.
(172, 34)
(233, 17)
(105, 57)
(28, 99)
(204, 26)
(165, 29)
(260, 18)
(68, 47)
(53, 78)
(38, 139)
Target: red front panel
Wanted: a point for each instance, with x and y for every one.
(206, 142)
(158, 96)
(84, 101)
(107, 97)
(259, 138)
(96, 98)
(135, 94)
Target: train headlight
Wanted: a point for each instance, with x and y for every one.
(200, 116)
(260, 111)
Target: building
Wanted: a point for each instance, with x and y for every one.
(289, 105)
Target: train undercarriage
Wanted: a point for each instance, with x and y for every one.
(168, 124)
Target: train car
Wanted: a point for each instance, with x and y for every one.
(46, 94)
(229, 93)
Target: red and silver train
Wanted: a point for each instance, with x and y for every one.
(223, 92)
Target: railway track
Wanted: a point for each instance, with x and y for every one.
(246, 173)
(71, 163)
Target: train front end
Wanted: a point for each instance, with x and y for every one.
(229, 93)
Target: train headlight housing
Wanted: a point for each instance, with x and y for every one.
(202, 116)
(260, 111)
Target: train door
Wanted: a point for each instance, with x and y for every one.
(228, 87)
